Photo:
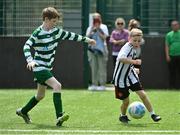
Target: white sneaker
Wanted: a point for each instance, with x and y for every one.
(100, 88)
(92, 87)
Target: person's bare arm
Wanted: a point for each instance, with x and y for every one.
(168, 59)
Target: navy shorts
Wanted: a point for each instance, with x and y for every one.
(122, 93)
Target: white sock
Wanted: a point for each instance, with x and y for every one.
(151, 113)
(123, 114)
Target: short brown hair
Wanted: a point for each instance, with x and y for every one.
(50, 13)
(133, 23)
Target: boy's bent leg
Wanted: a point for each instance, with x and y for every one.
(123, 94)
(148, 105)
(145, 100)
(123, 117)
(124, 106)
(32, 102)
(58, 104)
(41, 92)
(24, 116)
(61, 117)
(52, 82)
(23, 112)
(35, 99)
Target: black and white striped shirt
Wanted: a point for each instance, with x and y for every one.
(124, 74)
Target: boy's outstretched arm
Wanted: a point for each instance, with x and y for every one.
(92, 42)
(66, 35)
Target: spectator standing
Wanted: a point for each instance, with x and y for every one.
(172, 52)
(118, 38)
(98, 55)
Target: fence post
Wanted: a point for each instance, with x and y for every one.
(137, 13)
(176, 10)
(101, 8)
(85, 24)
(14, 17)
(145, 17)
(1, 17)
(137, 9)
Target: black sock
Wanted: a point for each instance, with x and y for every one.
(32, 102)
(58, 104)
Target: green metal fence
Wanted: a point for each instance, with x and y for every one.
(154, 15)
(20, 17)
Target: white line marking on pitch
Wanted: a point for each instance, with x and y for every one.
(91, 131)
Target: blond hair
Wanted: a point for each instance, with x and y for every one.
(50, 13)
(97, 16)
(119, 19)
(136, 32)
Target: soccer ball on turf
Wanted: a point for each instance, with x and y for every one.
(136, 110)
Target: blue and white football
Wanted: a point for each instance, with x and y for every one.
(136, 110)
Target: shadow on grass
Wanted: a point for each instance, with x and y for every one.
(140, 124)
(46, 126)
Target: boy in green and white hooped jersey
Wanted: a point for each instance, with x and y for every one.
(44, 41)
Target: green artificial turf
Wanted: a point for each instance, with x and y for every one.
(90, 112)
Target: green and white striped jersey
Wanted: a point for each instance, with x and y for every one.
(45, 43)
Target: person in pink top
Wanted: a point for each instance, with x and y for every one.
(118, 38)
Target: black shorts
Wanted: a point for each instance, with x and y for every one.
(122, 93)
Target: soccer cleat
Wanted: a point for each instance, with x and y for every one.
(62, 119)
(24, 116)
(155, 117)
(124, 119)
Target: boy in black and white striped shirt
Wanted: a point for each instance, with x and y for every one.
(125, 76)
(44, 41)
